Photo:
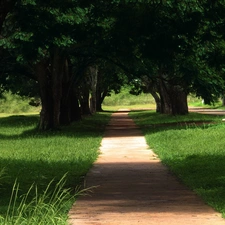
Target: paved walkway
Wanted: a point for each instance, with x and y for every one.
(132, 187)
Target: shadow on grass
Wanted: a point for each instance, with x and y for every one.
(150, 121)
(203, 173)
(40, 174)
(40, 169)
(91, 126)
(18, 121)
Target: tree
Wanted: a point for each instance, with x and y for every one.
(35, 38)
(170, 42)
(161, 40)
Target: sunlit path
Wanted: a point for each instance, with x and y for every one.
(133, 187)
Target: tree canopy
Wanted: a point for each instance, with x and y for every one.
(171, 47)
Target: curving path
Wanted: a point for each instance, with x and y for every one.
(132, 187)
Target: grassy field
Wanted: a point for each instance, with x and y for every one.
(42, 159)
(36, 167)
(194, 152)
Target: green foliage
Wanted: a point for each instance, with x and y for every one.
(183, 40)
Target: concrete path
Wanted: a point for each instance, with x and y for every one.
(132, 187)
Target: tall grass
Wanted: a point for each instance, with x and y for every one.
(41, 159)
(125, 100)
(43, 208)
(12, 103)
(192, 151)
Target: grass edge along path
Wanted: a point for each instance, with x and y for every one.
(193, 151)
(42, 168)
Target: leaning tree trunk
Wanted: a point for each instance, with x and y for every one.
(166, 107)
(157, 101)
(101, 92)
(100, 96)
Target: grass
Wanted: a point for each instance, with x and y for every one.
(14, 104)
(194, 152)
(126, 100)
(43, 158)
(33, 164)
(44, 208)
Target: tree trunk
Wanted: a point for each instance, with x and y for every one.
(101, 92)
(46, 114)
(70, 109)
(179, 101)
(75, 107)
(65, 111)
(157, 101)
(58, 63)
(223, 100)
(93, 75)
(173, 98)
(166, 107)
(100, 96)
(84, 102)
(50, 84)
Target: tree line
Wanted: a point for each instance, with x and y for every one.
(67, 51)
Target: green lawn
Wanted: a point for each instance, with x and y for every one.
(33, 157)
(194, 152)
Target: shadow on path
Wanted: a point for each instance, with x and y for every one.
(131, 186)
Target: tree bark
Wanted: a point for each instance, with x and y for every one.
(58, 63)
(93, 77)
(70, 109)
(157, 101)
(84, 102)
(46, 114)
(223, 100)
(179, 101)
(75, 107)
(173, 98)
(166, 107)
(100, 96)
(65, 106)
